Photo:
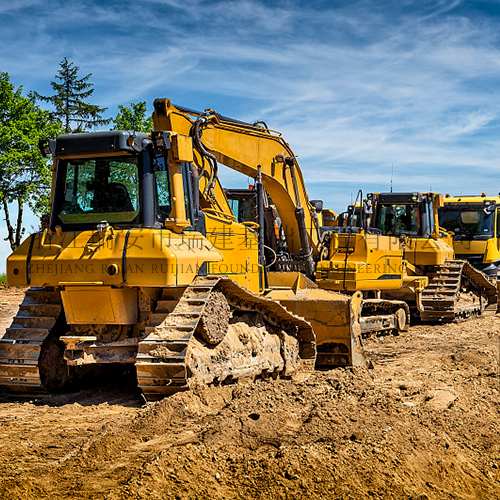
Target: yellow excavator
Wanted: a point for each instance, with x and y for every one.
(290, 225)
(144, 264)
(404, 255)
(474, 222)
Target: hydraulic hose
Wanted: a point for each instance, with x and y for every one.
(197, 132)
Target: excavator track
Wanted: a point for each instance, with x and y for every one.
(443, 299)
(174, 356)
(21, 345)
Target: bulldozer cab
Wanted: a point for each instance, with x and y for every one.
(408, 214)
(352, 217)
(117, 178)
(413, 219)
(469, 220)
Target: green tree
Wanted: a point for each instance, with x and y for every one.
(133, 118)
(25, 176)
(69, 103)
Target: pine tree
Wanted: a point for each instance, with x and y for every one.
(69, 103)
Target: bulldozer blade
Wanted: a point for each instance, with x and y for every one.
(335, 321)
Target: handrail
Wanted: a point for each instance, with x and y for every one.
(50, 245)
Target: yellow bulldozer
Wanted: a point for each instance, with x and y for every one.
(474, 223)
(144, 264)
(405, 255)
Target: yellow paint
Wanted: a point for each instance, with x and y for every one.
(154, 257)
(381, 263)
(182, 148)
(489, 249)
(238, 246)
(327, 311)
(242, 149)
(100, 305)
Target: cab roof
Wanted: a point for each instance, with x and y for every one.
(112, 141)
(472, 199)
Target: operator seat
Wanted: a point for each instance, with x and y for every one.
(118, 198)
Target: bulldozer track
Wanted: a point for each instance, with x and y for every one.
(441, 298)
(389, 311)
(161, 358)
(21, 345)
(163, 365)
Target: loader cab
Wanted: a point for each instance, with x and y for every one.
(469, 218)
(116, 177)
(474, 223)
(405, 214)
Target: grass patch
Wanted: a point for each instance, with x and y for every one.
(3, 279)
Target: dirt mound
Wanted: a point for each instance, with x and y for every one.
(423, 424)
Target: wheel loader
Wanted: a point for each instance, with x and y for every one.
(404, 255)
(144, 264)
(474, 222)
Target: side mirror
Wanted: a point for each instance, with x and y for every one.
(488, 210)
(47, 147)
(317, 204)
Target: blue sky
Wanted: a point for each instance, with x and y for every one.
(355, 86)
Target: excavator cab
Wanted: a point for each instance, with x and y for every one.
(119, 178)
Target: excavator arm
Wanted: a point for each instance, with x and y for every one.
(244, 147)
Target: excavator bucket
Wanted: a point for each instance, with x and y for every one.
(335, 318)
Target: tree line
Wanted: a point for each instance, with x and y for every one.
(25, 176)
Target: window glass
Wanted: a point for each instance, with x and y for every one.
(187, 192)
(234, 204)
(466, 221)
(398, 219)
(100, 189)
(430, 211)
(163, 200)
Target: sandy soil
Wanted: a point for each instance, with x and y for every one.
(423, 424)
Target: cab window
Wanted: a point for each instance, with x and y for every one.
(99, 189)
(162, 180)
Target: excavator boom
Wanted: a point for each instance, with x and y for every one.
(244, 147)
